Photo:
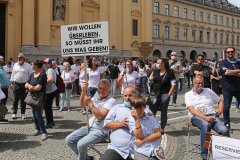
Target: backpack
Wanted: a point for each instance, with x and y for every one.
(60, 84)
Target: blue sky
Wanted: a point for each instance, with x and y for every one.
(235, 2)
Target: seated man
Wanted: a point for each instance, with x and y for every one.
(121, 146)
(100, 104)
(146, 130)
(199, 102)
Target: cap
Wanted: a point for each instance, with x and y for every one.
(20, 55)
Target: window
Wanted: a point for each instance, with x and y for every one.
(215, 37)
(208, 37)
(233, 39)
(193, 15)
(208, 17)
(176, 11)
(238, 23)
(167, 34)
(176, 33)
(135, 1)
(233, 22)
(135, 27)
(185, 34)
(156, 31)
(156, 8)
(227, 21)
(221, 20)
(194, 35)
(185, 13)
(221, 38)
(227, 38)
(201, 16)
(238, 38)
(215, 19)
(201, 36)
(167, 9)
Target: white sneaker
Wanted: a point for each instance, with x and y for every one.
(44, 136)
(23, 116)
(14, 116)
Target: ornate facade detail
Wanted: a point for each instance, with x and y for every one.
(208, 28)
(194, 26)
(186, 25)
(136, 13)
(157, 20)
(90, 3)
(167, 22)
(176, 24)
(11, 7)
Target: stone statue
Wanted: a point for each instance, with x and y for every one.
(58, 10)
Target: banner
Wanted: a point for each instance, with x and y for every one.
(212, 64)
(224, 148)
(85, 39)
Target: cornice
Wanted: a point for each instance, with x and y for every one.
(90, 3)
(136, 13)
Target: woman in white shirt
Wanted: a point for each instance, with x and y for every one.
(68, 78)
(128, 77)
(95, 73)
(142, 72)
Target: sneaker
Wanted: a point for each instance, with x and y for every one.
(14, 116)
(159, 153)
(23, 116)
(69, 110)
(36, 133)
(60, 110)
(44, 136)
(228, 127)
(174, 105)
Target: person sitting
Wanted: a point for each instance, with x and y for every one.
(100, 105)
(200, 104)
(145, 128)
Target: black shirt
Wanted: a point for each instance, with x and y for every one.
(114, 71)
(160, 85)
(41, 79)
(206, 73)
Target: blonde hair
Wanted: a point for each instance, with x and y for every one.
(68, 65)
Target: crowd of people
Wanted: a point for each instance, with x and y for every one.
(157, 81)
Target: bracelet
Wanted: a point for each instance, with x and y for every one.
(138, 127)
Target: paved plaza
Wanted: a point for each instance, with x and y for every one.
(17, 142)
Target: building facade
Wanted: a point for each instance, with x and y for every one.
(186, 26)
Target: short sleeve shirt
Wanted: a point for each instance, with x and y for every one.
(41, 80)
(203, 102)
(129, 80)
(94, 77)
(51, 87)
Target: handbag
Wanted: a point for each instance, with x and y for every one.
(34, 99)
(69, 86)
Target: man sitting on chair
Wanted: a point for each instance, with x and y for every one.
(100, 104)
(199, 102)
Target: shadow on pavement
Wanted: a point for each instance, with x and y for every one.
(18, 145)
(59, 135)
(69, 124)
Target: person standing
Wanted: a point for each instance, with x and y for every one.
(8, 69)
(230, 71)
(20, 74)
(114, 73)
(76, 88)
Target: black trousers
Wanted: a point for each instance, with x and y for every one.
(57, 98)
(114, 155)
(19, 94)
(48, 106)
(5, 91)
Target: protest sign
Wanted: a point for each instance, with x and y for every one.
(85, 39)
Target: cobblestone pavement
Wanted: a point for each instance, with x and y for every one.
(17, 142)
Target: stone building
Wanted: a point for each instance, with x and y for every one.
(186, 26)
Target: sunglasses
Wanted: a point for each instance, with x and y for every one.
(198, 83)
(230, 51)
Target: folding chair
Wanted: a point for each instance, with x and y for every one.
(208, 144)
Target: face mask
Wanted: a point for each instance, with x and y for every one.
(158, 66)
(173, 57)
(20, 62)
(127, 104)
(197, 90)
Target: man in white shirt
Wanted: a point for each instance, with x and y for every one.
(200, 103)
(20, 75)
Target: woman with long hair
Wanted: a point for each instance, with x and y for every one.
(163, 85)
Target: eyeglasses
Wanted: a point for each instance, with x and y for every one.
(200, 59)
(198, 83)
(230, 51)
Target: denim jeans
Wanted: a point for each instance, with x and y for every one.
(80, 139)
(143, 85)
(237, 103)
(91, 91)
(205, 126)
(227, 96)
(38, 119)
(65, 97)
(175, 92)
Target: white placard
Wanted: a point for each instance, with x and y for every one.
(85, 39)
(224, 148)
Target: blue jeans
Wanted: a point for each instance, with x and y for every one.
(65, 97)
(205, 126)
(91, 91)
(80, 139)
(38, 119)
(237, 103)
(175, 92)
(143, 85)
(227, 96)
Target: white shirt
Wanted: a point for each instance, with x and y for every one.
(142, 72)
(67, 76)
(94, 77)
(203, 102)
(75, 68)
(8, 69)
(129, 80)
(21, 73)
(82, 75)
